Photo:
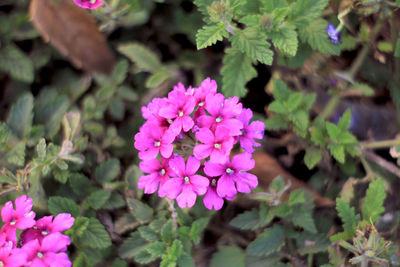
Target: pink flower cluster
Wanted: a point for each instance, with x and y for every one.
(90, 4)
(41, 242)
(186, 142)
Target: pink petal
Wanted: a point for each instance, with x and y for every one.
(142, 141)
(177, 165)
(57, 259)
(187, 198)
(243, 162)
(205, 136)
(169, 112)
(149, 166)
(187, 123)
(37, 262)
(149, 154)
(173, 187)
(200, 184)
(7, 212)
(245, 116)
(213, 169)
(202, 151)
(168, 136)
(17, 258)
(256, 129)
(55, 242)
(245, 181)
(247, 144)
(233, 125)
(192, 165)
(188, 107)
(226, 186)
(214, 104)
(62, 222)
(212, 200)
(205, 121)
(166, 150)
(219, 156)
(23, 205)
(149, 183)
(26, 221)
(232, 107)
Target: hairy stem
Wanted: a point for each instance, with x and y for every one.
(380, 144)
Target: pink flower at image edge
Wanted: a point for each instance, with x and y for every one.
(90, 4)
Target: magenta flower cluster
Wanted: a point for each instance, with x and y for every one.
(89, 4)
(41, 243)
(186, 142)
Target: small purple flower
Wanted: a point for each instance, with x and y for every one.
(254, 130)
(217, 145)
(185, 185)
(233, 173)
(334, 35)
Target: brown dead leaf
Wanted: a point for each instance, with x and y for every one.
(267, 168)
(74, 32)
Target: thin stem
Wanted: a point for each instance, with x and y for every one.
(174, 214)
(7, 191)
(380, 144)
(330, 107)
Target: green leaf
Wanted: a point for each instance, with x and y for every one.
(132, 246)
(397, 48)
(301, 214)
(117, 108)
(312, 244)
(157, 248)
(58, 205)
(41, 149)
(157, 78)
(228, 256)
(248, 220)
(81, 261)
(271, 240)
(209, 35)
(79, 227)
(347, 214)
(373, 203)
(197, 229)
(300, 121)
(115, 201)
(120, 71)
(276, 122)
(144, 58)
(141, 211)
(237, 71)
(269, 5)
(144, 257)
(17, 154)
(147, 233)
(118, 263)
(337, 152)
(254, 44)
(16, 63)
(278, 107)
(362, 88)
(281, 91)
(96, 235)
(345, 121)
(312, 157)
(185, 261)
(168, 232)
(107, 171)
(333, 130)
(79, 184)
(20, 117)
(98, 198)
(294, 101)
(302, 12)
(316, 36)
(296, 197)
(285, 40)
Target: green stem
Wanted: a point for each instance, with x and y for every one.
(330, 107)
(380, 144)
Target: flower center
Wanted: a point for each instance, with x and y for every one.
(219, 119)
(40, 255)
(229, 170)
(170, 121)
(180, 113)
(1, 264)
(187, 180)
(44, 232)
(213, 182)
(217, 146)
(13, 222)
(157, 144)
(162, 172)
(201, 104)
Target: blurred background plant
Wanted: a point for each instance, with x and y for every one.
(73, 83)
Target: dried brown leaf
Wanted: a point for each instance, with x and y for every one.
(74, 32)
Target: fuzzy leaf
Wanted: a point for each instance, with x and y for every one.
(248, 220)
(17, 154)
(168, 232)
(312, 157)
(209, 35)
(285, 40)
(144, 257)
(254, 44)
(147, 233)
(237, 71)
(347, 214)
(141, 211)
(276, 122)
(271, 240)
(132, 246)
(373, 202)
(107, 171)
(337, 152)
(144, 58)
(20, 117)
(228, 256)
(16, 63)
(96, 235)
(302, 12)
(157, 248)
(98, 198)
(58, 205)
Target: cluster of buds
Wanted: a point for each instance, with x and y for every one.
(186, 142)
(41, 243)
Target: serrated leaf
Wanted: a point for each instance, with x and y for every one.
(312, 157)
(276, 122)
(132, 246)
(16, 63)
(337, 151)
(254, 44)
(363, 88)
(20, 117)
(144, 257)
(96, 235)
(209, 35)
(80, 226)
(281, 91)
(185, 261)
(301, 214)
(345, 121)
(115, 201)
(372, 206)
(271, 240)
(107, 171)
(81, 261)
(141, 211)
(147, 233)
(248, 220)
(157, 248)
(333, 130)
(98, 198)
(285, 40)
(197, 229)
(79, 184)
(228, 256)
(278, 107)
(237, 71)
(294, 101)
(118, 263)
(144, 58)
(300, 121)
(168, 232)
(348, 216)
(316, 36)
(41, 149)
(269, 5)
(312, 244)
(302, 12)
(58, 205)
(296, 197)
(17, 154)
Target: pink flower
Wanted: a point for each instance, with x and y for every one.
(46, 226)
(222, 112)
(218, 146)
(152, 139)
(151, 113)
(90, 4)
(211, 199)
(254, 130)
(180, 106)
(207, 87)
(232, 173)
(12, 257)
(22, 217)
(47, 253)
(185, 185)
(159, 173)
